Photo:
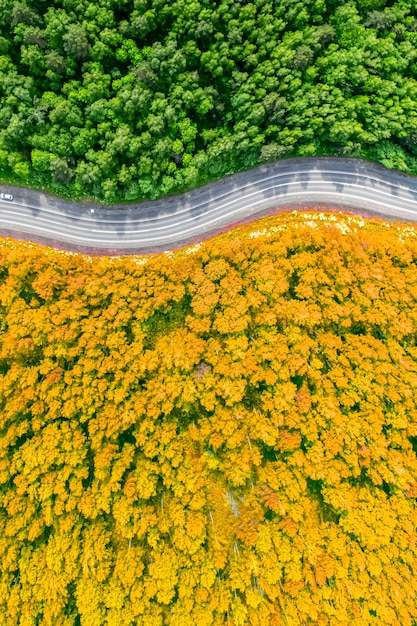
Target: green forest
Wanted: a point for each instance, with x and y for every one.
(125, 100)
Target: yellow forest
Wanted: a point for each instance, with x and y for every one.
(221, 435)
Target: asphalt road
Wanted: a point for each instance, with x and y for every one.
(175, 221)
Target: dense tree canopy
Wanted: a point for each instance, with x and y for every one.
(127, 99)
(222, 435)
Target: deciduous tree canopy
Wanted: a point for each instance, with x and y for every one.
(222, 435)
(130, 99)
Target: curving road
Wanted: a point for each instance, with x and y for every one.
(172, 222)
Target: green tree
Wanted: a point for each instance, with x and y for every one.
(61, 171)
(41, 160)
(76, 42)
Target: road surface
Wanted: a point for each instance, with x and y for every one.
(172, 222)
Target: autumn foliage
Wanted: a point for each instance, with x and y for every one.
(222, 435)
